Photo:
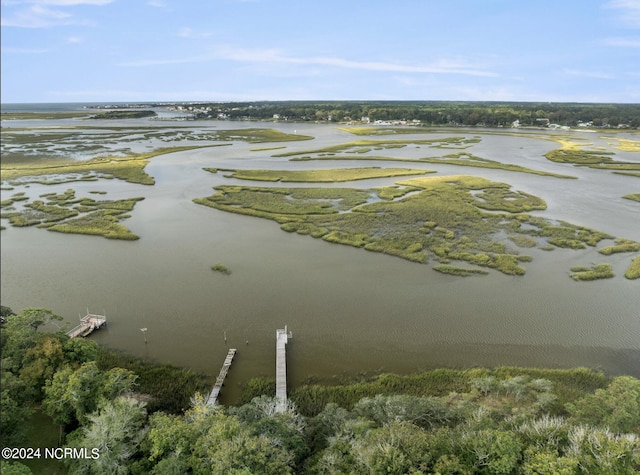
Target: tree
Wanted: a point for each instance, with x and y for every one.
(422, 411)
(5, 312)
(79, 350)
(490, 451)
(397, 447)
(287, 427)
(73, 394)
(15, 412)
(19, 333)
(115, 430)
(600, 451)
(40, 363)
(617, 406)
(14, 468)
(548, 462)
(228, 446)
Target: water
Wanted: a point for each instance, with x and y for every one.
(351, 311)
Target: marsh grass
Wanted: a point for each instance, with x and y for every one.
(323, 176)
(459, 271)
(633, 271)
(365, 146)
(65, 213)
(98, 223)
(597, 271)
(632, 196)
(523, 241)
(264, 149)
(574, 153)
(257, 135)
(624, 145)
(458, 159)
(416, 219)
(130, 168)
(221, 268)
(470, 160)
(622, 245)
(311, 398)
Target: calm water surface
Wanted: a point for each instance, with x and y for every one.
(350, 310)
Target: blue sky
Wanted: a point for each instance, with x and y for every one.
(239, 50)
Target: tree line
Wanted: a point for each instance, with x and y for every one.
(480, 421)
(431, 113)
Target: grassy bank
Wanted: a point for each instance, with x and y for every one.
(168, 388)
(310, 399)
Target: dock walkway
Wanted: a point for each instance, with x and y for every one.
(282, 337)
(87, 325)
(213, 397)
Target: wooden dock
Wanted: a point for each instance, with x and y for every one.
(87, 325)
(213, 397)
(282, 336)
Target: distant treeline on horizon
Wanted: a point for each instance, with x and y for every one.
(489, 114)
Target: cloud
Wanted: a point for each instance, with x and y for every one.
(630, 13)
(37, 14)
(274, 56)
(37, 17)
(587, 74)
(60, 3)
(191, 34)
(159, 4)
(622, 42)
(10, 50)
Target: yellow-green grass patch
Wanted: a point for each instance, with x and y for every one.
(129, 168)
(632, 196)
(595, 272)
(221, 268)
(622, 245)
(624, 145)
(263, 149)
(459, 159)
(633, 272)
(321, 176)
(66, 213)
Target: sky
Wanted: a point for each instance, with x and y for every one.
(255, 50)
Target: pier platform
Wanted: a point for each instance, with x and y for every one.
(88, 324)
(213, 397)
(282, 337)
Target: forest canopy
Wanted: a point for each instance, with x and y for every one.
(431, 113)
